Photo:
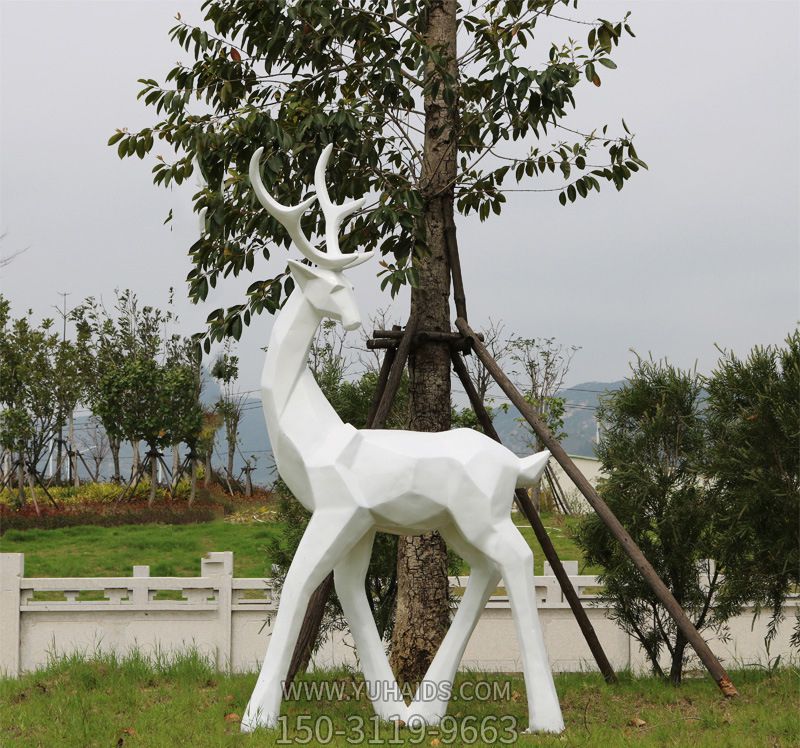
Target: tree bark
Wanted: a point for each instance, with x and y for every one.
(676, 669)
(422, 613)
(21, 479)
(232, 433)
(193, 482)
(176, 464)
(153, 477)
(73, 454)
(207, 471)
(113, 445)
(136, 458)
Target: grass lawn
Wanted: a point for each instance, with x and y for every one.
(175, 550)
(169, 550)
(136, 704)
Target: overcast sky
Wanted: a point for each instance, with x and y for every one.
(702, 249)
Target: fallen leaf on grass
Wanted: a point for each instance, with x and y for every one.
(637, 722)
(232, 717)
(515, 696)
(436, 741)
(129, 731)
(229, 698)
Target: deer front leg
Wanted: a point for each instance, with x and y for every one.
(433, 694)
(348, 576)
(328, 537)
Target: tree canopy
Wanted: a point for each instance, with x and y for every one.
(293, 77)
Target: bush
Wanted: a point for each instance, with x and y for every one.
(654, 451)
(754, 424)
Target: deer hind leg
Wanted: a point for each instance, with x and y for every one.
(433, 694)
(348, 576)
(506, 546)
(328, 537)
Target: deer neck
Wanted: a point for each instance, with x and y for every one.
(300, 420)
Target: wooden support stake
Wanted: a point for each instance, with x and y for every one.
(661, 591)
(380, 387)
(526, 507)
(459, 297)
(395, 375)
(44, 488)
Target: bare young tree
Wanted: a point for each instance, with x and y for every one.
(94, 442)
(495, 340)
(372, 358)
(542, 365)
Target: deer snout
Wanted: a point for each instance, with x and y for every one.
(351, 321)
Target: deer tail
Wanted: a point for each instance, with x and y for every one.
(531, 469)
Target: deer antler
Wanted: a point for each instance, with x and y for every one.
(290, 217)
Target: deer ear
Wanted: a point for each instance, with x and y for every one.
(301, 273)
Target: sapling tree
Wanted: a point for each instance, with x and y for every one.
(229, 405)
(94, 443)
(435, 107)
(40, 381)
(145, 384)
(180, 400)
(541, 366)
(107, 340)
(654, 450)
(754, 465)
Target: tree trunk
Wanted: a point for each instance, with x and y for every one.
(33, 495)
(233, 435)
(207, 472)
(176, 464)
(193, 479)
(153, 477)
(73, 454)
(21, 479)
(676, 669)
(114, 447)
(136, 459)
(422, 613)
(59, 445)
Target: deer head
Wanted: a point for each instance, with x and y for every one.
(325, 286)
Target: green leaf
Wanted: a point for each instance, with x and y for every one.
(606, 62)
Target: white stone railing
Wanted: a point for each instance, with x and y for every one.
(228, 620)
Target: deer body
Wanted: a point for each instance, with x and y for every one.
(358, 482)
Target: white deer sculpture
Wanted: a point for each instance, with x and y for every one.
(356, 482)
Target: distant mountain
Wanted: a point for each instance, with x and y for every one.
(579, 422)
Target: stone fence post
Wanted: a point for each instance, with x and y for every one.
(219, 565)
(12, 569)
